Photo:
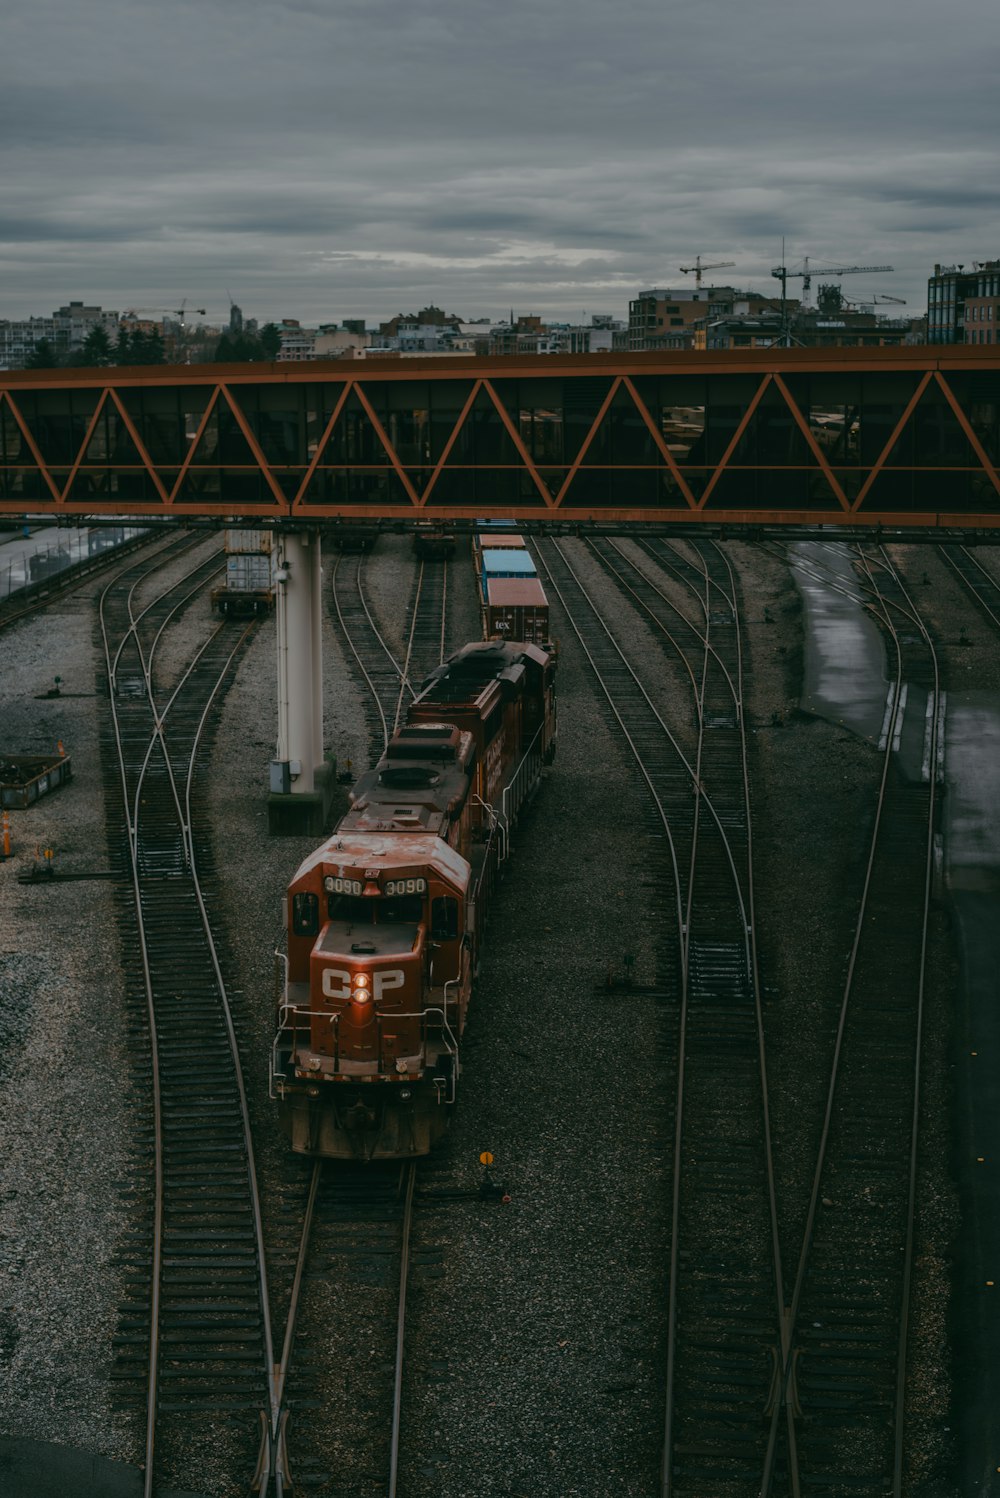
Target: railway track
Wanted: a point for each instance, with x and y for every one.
(388, 685)
(195, 1343)
(723, 1318)
(843, 1384)
(978, 580)
(786, 1359)
(352, 1266)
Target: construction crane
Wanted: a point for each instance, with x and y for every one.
(783, 274)
(178, 312)
(699, 266)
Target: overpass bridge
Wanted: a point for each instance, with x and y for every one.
(853, 438)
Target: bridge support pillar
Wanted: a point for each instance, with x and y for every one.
(302, 781)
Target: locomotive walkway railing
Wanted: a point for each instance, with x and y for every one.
(844, 437)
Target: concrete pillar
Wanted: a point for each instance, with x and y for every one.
(302, 783)
(296, 678)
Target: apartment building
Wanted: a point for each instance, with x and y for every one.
(962, 303)
(665, 319)
(982, 305)
(66, 330)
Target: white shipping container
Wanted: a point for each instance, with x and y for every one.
(248, 543)
(249, 574)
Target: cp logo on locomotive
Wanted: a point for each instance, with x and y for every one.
(337, 982)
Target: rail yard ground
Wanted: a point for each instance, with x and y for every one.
(536, 1324)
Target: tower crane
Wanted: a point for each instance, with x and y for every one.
(783, 274)
(179, 312)
(700, 266)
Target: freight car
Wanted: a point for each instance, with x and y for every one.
(385, 919)
(355, 537)
(434, 541)
(250, 569)
(512, 601)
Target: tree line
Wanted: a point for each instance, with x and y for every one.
(98, 352)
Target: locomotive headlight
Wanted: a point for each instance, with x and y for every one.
(360, 980)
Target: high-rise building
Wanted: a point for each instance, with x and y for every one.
(952, 291)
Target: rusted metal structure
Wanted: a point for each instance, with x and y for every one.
(864, 437)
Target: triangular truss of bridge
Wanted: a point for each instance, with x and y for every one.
(846, 437)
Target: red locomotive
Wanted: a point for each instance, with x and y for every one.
(385, 919)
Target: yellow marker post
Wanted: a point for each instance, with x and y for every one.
(6, 834)
(486, 1158)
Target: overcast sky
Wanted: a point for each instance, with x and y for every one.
(365, 157)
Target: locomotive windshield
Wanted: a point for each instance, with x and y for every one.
(382, 910)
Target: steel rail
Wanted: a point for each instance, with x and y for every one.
(352, 643)
(911, 1187)
(150, 1005)
(405, 685)
(684, 915)
(357, 647)
(884, 611)
(279, 1455)
(408, 1181)
(146, 663)
(979, 581)
(745, 895)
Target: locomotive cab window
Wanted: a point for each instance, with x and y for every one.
(305, 914)
(444, 918)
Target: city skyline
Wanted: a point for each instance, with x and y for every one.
(554, 159)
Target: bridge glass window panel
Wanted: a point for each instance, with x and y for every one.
(445, 402)
(933, 436)
(978, 395)
(729, 396)
(276, 416)
(921, 490)
(884, 398)
(623, 440)
(770, 489)
(13, 448)
(850, 481)
(491, 440)
(379, 487)
(321, 402)
(469, 487)
(589, 488)
(23, 483)
(669, 492)
(831, 405)
(635, 489)
(156, 415)
(58, 420)
(354, 439)
(111, 442)
(407, 421)
(583, 397)
(552, 478)
(773, 436)
(678, 409)
(535, 407)
(116, 485)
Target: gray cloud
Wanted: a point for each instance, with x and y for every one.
(320, 160)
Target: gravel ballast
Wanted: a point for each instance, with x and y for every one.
(536, 1324)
